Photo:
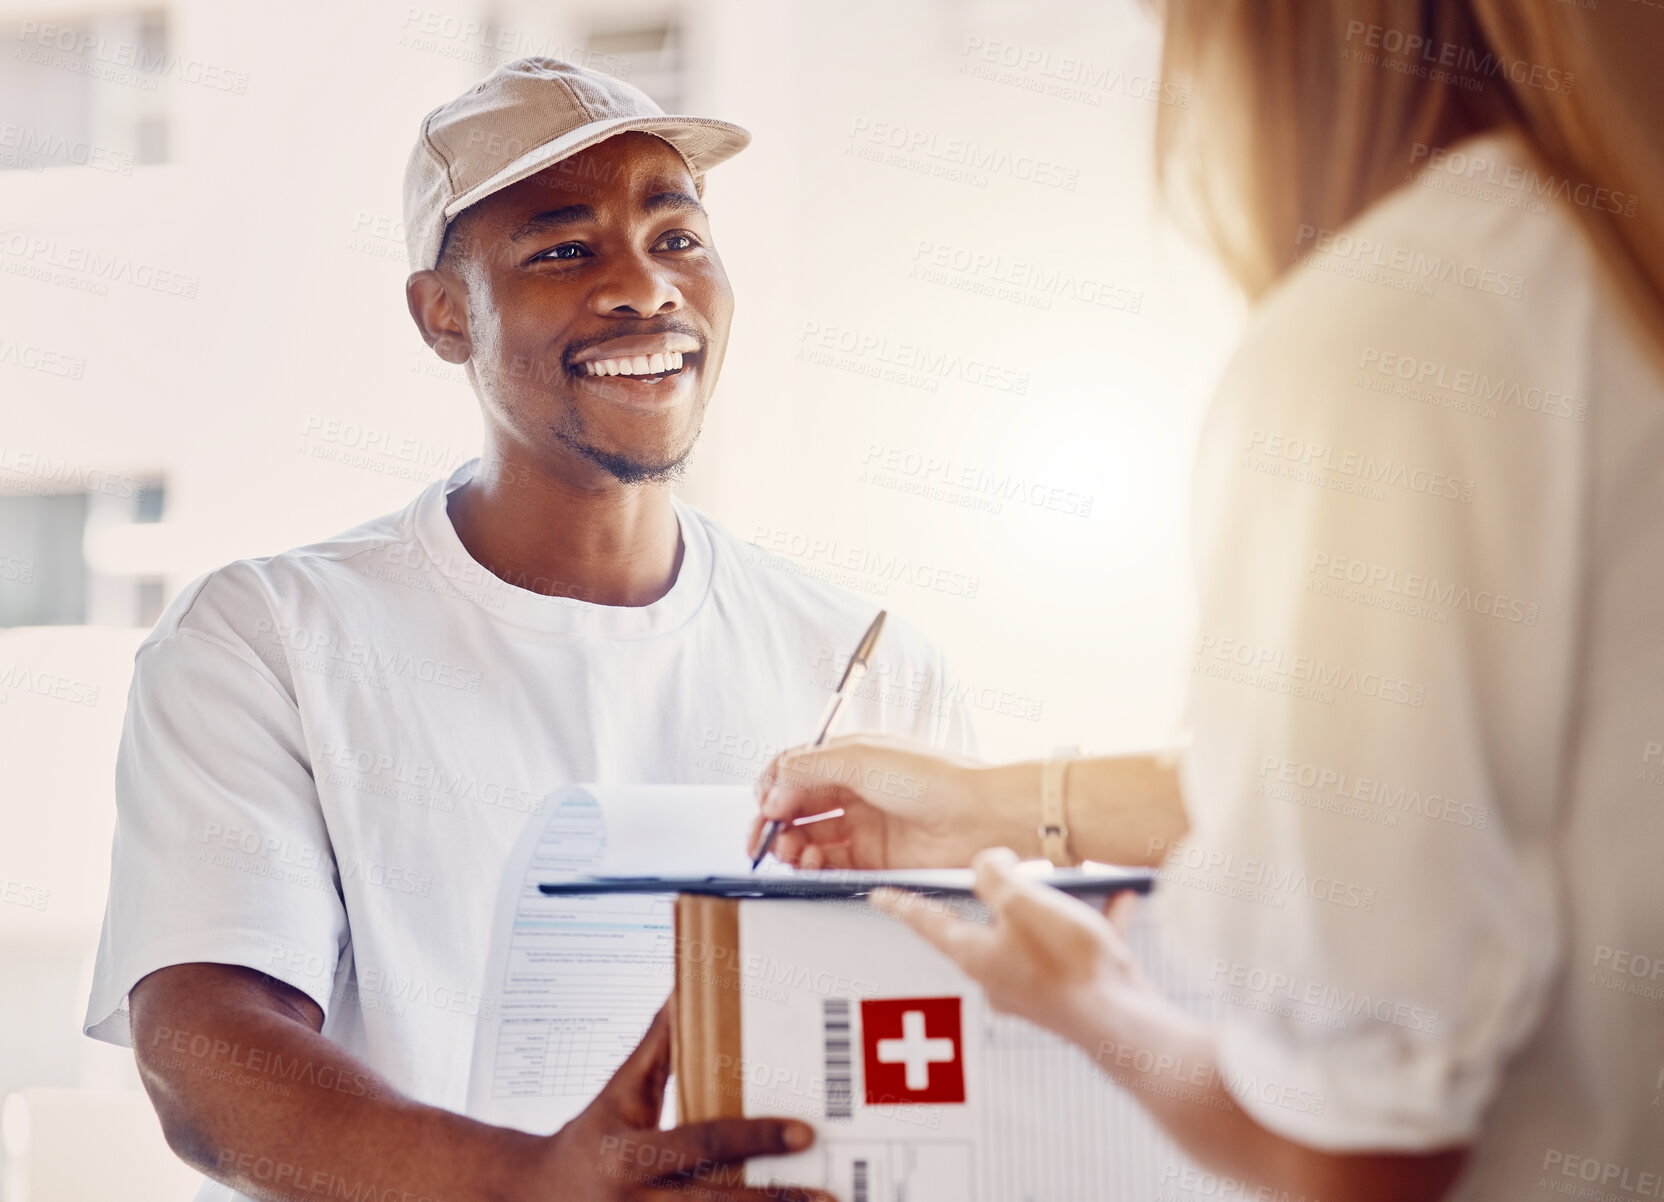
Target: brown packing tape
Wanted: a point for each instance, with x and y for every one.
(705, 1033)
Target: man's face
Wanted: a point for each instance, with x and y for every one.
(596, 310)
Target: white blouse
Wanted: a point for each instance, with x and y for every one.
(1426, 870)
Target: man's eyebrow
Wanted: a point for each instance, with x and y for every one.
(672, 201)
(552, 219)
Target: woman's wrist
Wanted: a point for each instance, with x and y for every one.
(1008, 801)
(1122, 1011)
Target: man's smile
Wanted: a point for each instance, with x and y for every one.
(647, 358)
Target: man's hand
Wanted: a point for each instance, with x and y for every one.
(879, 801)
(252, 1094)
(615, 1150)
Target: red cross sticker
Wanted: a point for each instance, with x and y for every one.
(911, 1050)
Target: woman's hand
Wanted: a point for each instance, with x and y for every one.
(890, 802)
(1055, 961)
(1046, 956)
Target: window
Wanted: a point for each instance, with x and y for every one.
(648, 55)
(85, 92)
(45, 579)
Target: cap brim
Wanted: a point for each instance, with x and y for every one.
(703, 142)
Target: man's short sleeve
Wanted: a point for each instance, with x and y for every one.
(954, 731)
(221, 853)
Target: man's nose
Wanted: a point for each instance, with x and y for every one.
(636, 286)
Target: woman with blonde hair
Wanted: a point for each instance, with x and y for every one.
(1414, 839)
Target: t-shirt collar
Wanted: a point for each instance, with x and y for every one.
(523, 607)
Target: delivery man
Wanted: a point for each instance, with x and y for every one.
(329, 753)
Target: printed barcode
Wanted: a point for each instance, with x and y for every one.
(840, 1081)
(859, 1183)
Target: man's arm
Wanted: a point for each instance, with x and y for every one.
(249, 1092)
(253, 1095)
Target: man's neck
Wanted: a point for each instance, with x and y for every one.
(610, 545)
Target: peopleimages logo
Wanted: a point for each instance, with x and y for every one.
(1062, 75)
(331, 654)
(1280, 776)
(1450, 61)
(33, 256)
(1439, 595)
(1461, 381)
(1330, 248)
(1248, 986)
(1523, 179)
(1221, 872)
(42, 683)
(1217, 657)
(1588, 1169)
(47, 145)
(1315, 462)
(96, 47)
(917, 362)
(901, 145)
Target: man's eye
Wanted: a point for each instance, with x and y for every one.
(677, 242)
(566, 250)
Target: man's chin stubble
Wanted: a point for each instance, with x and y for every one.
(623, 468)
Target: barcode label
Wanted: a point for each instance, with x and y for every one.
(858, 1183)
(840, 1080)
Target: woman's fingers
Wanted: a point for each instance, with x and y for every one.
(1029, 915)
(756, 835)
(964, 942)
(867, 766)
(793, 841)
(996, 877)
(1119, 908)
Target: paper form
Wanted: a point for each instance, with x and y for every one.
(576, 980)
(953, 1104)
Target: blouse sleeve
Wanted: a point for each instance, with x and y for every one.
(1385, 647)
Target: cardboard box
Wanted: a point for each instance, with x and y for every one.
(833, 1012)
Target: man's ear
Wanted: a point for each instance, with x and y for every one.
(439, 307)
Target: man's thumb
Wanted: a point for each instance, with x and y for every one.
(640, 1080)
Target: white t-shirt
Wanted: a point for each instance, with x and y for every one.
(1427, 777)
(328, 756)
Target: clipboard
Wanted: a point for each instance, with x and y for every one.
(1090, 881)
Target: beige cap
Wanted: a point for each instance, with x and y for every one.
(521, 118)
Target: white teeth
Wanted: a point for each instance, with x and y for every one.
(636, 365)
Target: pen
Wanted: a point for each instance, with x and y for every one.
(856, 669)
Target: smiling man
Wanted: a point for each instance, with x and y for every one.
(329, 753)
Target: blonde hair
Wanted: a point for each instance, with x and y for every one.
(1303, 113)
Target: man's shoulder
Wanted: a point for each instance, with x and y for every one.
(239, 600)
